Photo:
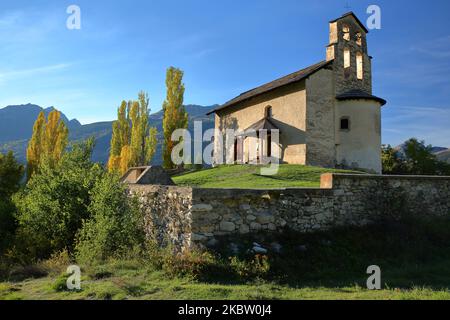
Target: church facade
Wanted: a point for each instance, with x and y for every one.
(325, 114)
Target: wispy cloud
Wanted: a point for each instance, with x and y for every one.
(32, 71)
(436, 48)
(429, 123)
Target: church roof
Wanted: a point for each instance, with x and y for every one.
(355, 17)
(290, 78)
(359, 94)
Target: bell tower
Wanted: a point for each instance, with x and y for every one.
(348, 49)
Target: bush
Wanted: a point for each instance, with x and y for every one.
(115, 226)
(54, 203)
(57, 263)
(194, 264)
(258, 267)
(11, 173)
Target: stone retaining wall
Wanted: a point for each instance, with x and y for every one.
(190, 216)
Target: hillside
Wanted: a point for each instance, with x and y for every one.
(444, 155)
(248, 176)
(15, 137)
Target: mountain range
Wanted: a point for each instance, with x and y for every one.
(16, 127)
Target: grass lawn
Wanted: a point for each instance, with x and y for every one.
(130, 281)
(248, 176)
(414, 258)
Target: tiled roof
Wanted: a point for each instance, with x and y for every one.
(291, 78)
(359, 94)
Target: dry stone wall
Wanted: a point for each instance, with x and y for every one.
(191, 216)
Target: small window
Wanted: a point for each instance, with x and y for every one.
(345, 123)
(268, 112)
(346, 32)
(358, 38)
(359, 66)
(346, 58)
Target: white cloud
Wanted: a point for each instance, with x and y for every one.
(32, 71)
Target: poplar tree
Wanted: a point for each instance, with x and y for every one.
(120, 137)
(48, 141)
(175, 116)
(133, 142)
(34, 149)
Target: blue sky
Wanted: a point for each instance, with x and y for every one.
(224, 47)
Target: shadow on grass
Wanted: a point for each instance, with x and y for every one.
(413, 253)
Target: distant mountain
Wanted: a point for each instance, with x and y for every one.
(16, 122)
(444, 155)
(16, 126)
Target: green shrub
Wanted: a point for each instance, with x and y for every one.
(57, 263)
(60, 283)
(195, 264)
(115, 227)
(258, 267)
(55, 202)
(11, 173)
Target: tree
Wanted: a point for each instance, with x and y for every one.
(11, 173)
(143, 138)
(115, 226)
(48, 141)
(34, 150)
(175, 116)
(54, 202)
(419, 158)
(415, 158)
(392, 163)
(133, 142)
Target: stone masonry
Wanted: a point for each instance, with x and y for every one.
(193, 216)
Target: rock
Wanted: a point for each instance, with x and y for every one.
(211, 216)
(302, 248)
(271, 227)
(198, 237)
(260, 250)
(245, 206)
(251, 217)
(202, 207)
(264, 218)
(255, 226)
(244, 229)
(227, 226)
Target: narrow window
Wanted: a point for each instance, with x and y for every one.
(345, 123)
(358, 38)
(268, 112)
(359, 66)
(346, 32)
(346, 58)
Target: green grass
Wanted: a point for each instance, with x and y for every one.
(155, 286)
(414, 258)
(248, 176)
